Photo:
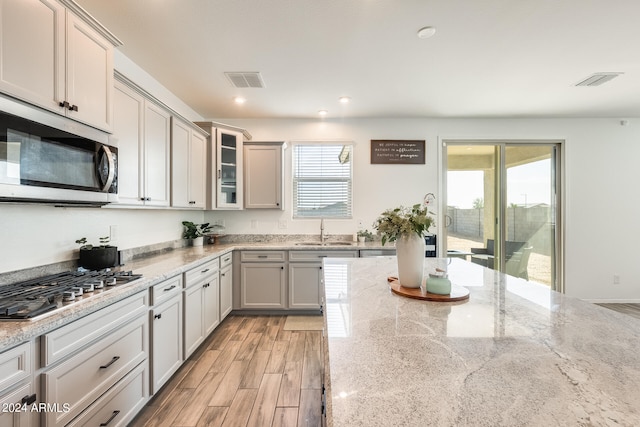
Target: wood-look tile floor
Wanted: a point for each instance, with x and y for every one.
(249, 372)
(631, 309)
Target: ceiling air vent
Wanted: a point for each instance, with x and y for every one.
(245, 79)
(597, 79)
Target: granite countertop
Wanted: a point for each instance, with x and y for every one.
(154, 269)
(514, 354)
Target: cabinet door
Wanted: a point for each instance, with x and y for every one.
(304, 285)
(229, 169)
(89, 74)
(166, 336)
(193, 315)
(156, 145)
(180, 139)
(23, 395)
(263, 176)
(262, 285)
(128, 119)
(211, 304)
(32, 51)
(197, 170)
(226, 291)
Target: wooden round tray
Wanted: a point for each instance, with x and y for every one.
(458, 293)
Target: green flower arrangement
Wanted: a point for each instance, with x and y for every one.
(394, 223)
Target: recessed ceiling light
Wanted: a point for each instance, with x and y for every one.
(344, 99)
(426, 32)
(239, 100)
(323, 112)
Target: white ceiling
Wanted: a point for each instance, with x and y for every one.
(488, 58)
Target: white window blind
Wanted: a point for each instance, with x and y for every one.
(322, 180)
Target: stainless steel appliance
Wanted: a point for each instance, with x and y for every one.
(37, 297)
(47, 158)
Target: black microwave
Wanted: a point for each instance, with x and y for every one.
(51, 159)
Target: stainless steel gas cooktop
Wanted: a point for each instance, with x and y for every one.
(36, 297)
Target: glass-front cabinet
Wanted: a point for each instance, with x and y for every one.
(229, 169)
(224, 165)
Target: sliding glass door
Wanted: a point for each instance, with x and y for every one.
(501, 206)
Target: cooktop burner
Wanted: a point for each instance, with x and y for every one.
(31, 298)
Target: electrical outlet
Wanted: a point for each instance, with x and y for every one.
(219, 222)
(113, 233)
(254, 224)
(616, 279)
(282, 224)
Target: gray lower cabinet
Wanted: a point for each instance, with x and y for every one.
(304, 285)
(263, 280)
(87, 371)
(284, 280)
(16, 387)
(166, 331)
(201, 304)
(305, 277)
(226, 285)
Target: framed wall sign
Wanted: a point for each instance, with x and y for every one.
(392, 152)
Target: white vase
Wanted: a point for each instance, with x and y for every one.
(198, 241)
(410, 254)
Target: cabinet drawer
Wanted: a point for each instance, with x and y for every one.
(82, 378)
(226, 260)
(318, 255)
(196, 273)
(120, 404)
(15, 365)
(72, 337)
(163, 291)
(262, 256)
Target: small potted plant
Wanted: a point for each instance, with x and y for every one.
(97, 257)
(364, 235)
(195, 232)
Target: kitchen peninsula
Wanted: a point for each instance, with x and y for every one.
(515, 353)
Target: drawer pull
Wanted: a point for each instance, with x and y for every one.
(223, 274)
(262, 256)
(111, 362)
(115, 414)
(158, 316)
(206, 285)
(28, 400)
(322, 256)
(226, 259)
(169, 288)
(204, 271)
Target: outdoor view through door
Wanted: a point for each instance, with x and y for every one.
(501, 207)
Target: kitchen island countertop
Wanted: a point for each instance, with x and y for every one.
(514, 354)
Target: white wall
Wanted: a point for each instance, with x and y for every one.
(601, 171)
(33, 235)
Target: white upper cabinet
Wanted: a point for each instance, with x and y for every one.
(229, 169)
(54, 55)
(188, 165)
(224, 166)
(263, 183)
(141, 132)
(157, 138)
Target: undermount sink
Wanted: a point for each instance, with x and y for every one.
(324, 244)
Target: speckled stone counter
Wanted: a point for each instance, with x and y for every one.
(514, 354)
(154, 269)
